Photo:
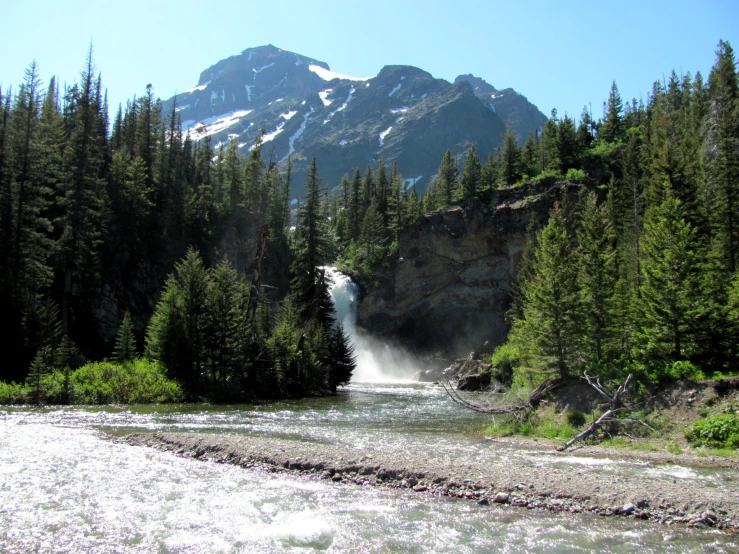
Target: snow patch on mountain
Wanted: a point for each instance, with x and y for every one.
(287, 116)
(297, 134)
(402, 109)
(248, 92)
(384, 134)
(214, 95)
(412, 181)
(212, 125)
(270, 136)
(260, 69)
(343, 106)
(328, 75)
(324, 95)
(199, 87)
(396, 89)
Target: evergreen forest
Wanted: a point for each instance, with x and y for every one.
(130, 249)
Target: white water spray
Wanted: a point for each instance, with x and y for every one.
(377, 361)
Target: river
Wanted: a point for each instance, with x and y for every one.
(66, 485)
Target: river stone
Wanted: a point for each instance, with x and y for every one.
(501, 498)
(628, 508)
(420, 488)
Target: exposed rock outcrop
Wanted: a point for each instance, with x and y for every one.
(448, 290)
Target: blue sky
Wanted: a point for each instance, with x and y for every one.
(558, 54)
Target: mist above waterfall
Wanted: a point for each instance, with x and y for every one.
(377, 359)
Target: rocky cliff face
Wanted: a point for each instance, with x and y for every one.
(402, 114)
(448, 290)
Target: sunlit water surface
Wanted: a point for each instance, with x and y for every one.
(65, 488)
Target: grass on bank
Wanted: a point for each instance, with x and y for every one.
(140, 381)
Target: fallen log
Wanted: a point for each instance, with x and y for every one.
(608, 416)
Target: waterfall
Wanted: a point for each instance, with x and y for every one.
(377, 360)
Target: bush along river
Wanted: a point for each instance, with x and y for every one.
(384, 466)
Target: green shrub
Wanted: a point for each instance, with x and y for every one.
(141, 381)
(12, 393)
(576, 175)
(502, 362)
(717, 431)
(575, 418)
(681, 370)
(551, 174)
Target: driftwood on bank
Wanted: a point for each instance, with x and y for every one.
(497, 403)
(608, 416)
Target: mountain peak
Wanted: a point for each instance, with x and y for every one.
(524, 117)
(307, 110)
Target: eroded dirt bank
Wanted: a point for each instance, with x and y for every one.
(517, 481)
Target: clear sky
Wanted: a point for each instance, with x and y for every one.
(557, 53)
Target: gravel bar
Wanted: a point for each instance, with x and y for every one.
(515, 482)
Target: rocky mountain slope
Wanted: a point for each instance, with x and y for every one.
(525, 118)
(306, 110)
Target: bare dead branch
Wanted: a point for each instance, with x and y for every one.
(607, 417)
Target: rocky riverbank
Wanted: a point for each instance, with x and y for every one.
(516, 482)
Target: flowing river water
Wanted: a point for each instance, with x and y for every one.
(67, 486)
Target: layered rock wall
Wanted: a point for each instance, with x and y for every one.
(449, 288)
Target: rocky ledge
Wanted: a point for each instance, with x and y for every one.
(516, 482)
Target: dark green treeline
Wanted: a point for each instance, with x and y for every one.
(645, 281)
(98, 220)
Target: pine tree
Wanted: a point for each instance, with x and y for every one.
(373, 232)
(397, 204)
(530, 157)
(368, 187)
(584, 131)
(551, 304)
(567, 147)
(612, 129)
(669, 291)
(415, 208)
(82, 199)
(342, 359)
(125, 341)
(447, 178)
(222, 338)
(471, 174)
(549, 146)
(382, 192)
(355, 203)
(598, 275)
(510, 159)
(723, 150)
(175, 335)
(489, 173)
(310, 248)
(37, 378)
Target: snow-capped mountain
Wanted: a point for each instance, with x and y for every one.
(306, 110)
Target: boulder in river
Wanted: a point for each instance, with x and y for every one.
(476, 382)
